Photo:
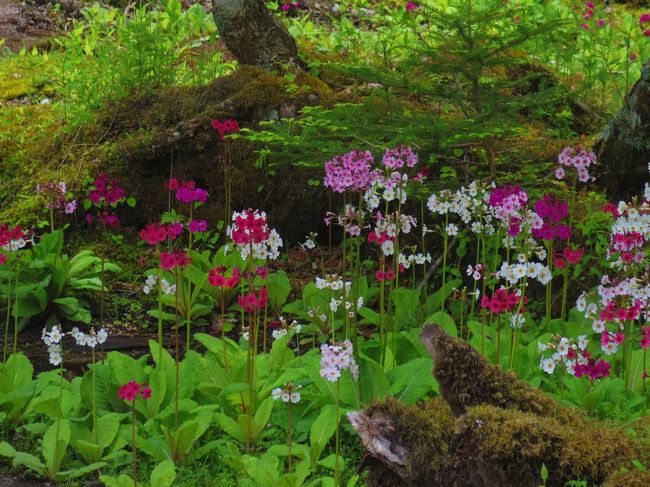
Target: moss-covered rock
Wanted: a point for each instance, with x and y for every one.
(146, 138)
(491, 429)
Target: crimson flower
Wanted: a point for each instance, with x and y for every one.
(253, 301)
(217, 277)
(173, 260)
(229, 125)
(154, 233)
(131, 390)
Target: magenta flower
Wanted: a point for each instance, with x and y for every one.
(410, 6)
(349, 171)
(131, 390)
(198, 226)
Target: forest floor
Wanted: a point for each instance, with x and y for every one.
(23, 25)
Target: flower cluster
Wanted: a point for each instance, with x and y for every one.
(254, 300)
(643, 20)
(503, 301)
(224, 127)
(217, 277)
(551, 211)
(12, 239)
(174, 260)
(405, 261)
(399, 157)
(91, 339)
(281, 327)
(186, 191)
(590, 13)
(513, 273)
(165, 286)
(569, 255)
(335, 359)
(289, 393)
(57, 196)
(250, 231)
(565, 352)
(349, 172)
(53, 340)
(106, 191)
(131, 390)
(154, 233)
(577, 158)
(288, 7)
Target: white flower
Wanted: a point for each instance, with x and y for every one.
(609, 348)
(56, 358)
(582, 342)
(388, 247)
(517, 321)
(451, 230)
(279, 333)
(548, 365)
(276, 393)
(295, 397)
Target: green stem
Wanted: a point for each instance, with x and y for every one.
(338, 436)
(133, 449)
(6, 343)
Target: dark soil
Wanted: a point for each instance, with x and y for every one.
(15, 481)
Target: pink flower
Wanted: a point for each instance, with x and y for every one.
(174, 230)
(645, 18)
(410, 6)
(109, 220)
(198, 226)
(154, 233)
(217, 277)
(262, 271)
(3, 258)
(229, 125)
(173, 260)
(349, 171)
(253, 301)
(131, 390)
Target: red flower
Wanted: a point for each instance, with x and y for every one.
(131, 390)
(154, 233)
(227, 126)
(3, 258)
(172, 260)
(217, 277)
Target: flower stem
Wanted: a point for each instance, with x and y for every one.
(133, 449)
(338, 436)
(289, 434)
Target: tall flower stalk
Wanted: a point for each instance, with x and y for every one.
(335, 359)
(130, 392)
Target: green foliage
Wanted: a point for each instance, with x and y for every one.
(51, 284)
(111, 54)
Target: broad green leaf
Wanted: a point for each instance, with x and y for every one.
(164, 474)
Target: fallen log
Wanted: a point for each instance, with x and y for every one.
(488, 429)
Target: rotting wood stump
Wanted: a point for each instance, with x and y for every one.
(491, 429)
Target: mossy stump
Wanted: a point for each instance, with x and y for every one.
(488, 429)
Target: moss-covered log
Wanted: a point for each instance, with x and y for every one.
(490, 429)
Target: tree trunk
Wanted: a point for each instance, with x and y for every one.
(253, 34)
(624, 149)
(488, 429)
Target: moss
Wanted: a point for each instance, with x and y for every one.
(629, 478)
(25, 75)
(514, 445)
(466, 379)
(425, 430)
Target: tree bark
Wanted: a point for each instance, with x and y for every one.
(623, 150)
(488, 429)
(253, 34)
